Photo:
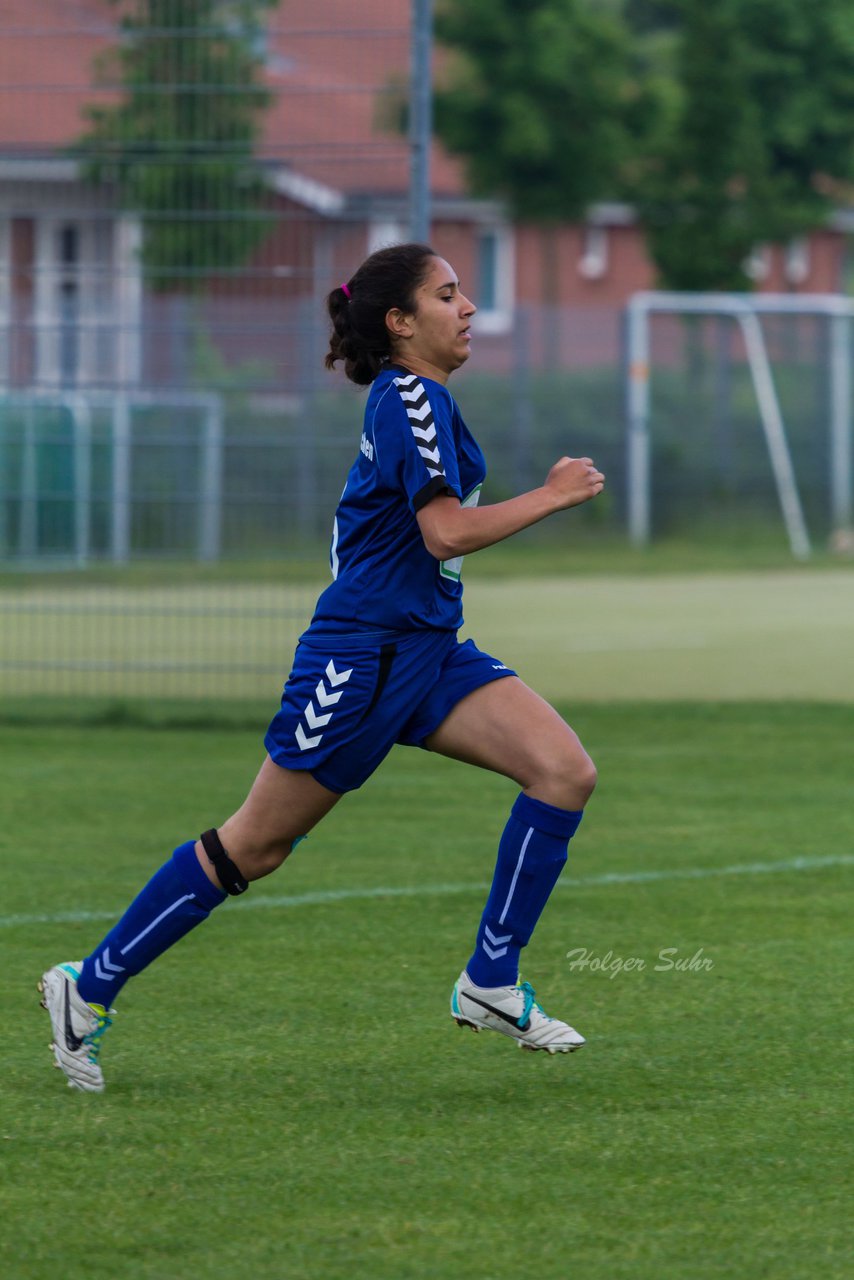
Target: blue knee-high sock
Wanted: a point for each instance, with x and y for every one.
(177, 898)
(531, 855)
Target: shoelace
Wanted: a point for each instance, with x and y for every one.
(530, 1002)
(93, 1039)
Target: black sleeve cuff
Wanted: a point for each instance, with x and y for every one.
(437, 485)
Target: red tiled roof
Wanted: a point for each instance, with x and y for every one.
(336, 68)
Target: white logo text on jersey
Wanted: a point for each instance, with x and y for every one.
(326, 697)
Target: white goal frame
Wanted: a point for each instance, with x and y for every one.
(746, 310)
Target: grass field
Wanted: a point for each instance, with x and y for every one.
(773, 633)
(288, 1098)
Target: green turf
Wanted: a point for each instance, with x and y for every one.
(560, 546)
(288, 1098)
(786, 633)
(776, 635)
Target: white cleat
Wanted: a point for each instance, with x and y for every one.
(514, 1012)
(77, 1027)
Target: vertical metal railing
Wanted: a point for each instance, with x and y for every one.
(420, 112)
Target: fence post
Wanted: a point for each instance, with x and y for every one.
(28, 513)
(420, 115)
(5, 480)
(840, 421)
(523, 434)
(638, 449)
(81, 421)
(120, 478)
(210, 487)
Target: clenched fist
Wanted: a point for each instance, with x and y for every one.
(572, 481)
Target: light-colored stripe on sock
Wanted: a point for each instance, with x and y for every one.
(188, 897)
(516, 874)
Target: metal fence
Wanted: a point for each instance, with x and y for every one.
(162, 398)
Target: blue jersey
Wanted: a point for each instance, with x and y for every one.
(414, 445)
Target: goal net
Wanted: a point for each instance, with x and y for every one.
(753, 391)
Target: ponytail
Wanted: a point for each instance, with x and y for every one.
(358, 308)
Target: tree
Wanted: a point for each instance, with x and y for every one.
(759, 142)
(701, 197)
(530, 101)
(529, 104)
(727, 123)
(179, 142)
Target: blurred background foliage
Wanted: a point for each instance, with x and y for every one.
(725, 125)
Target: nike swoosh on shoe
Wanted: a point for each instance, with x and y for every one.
(499, 1013)
(73, 1041)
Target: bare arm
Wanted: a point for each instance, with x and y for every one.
(449, 529)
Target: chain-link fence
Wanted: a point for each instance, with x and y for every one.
(181, 183)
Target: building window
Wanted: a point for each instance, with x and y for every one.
(79, 313)
(593, 263)
(68, 300)
(796, 263)
(487, 271)
(494, 285)
(758, 265)
(383, 233)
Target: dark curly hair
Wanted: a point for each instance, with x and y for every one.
(387, 279)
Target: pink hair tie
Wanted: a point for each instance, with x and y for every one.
(346, 291)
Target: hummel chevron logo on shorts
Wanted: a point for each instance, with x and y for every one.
(325, 698)
(420, 417)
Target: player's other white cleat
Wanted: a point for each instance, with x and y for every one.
(77, 1027)
(514, 1012)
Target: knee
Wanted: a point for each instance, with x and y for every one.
(567, 779)
(587, 778)
(262, 860)
(255, 857)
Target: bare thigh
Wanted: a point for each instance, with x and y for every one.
(282, 805)
(506, 727)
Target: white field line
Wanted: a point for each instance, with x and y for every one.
(321, 897)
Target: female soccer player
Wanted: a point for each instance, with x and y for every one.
(381, 664)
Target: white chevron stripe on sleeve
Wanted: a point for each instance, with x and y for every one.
(420, 415)
(426, 435)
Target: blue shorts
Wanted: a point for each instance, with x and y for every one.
(349, 699)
